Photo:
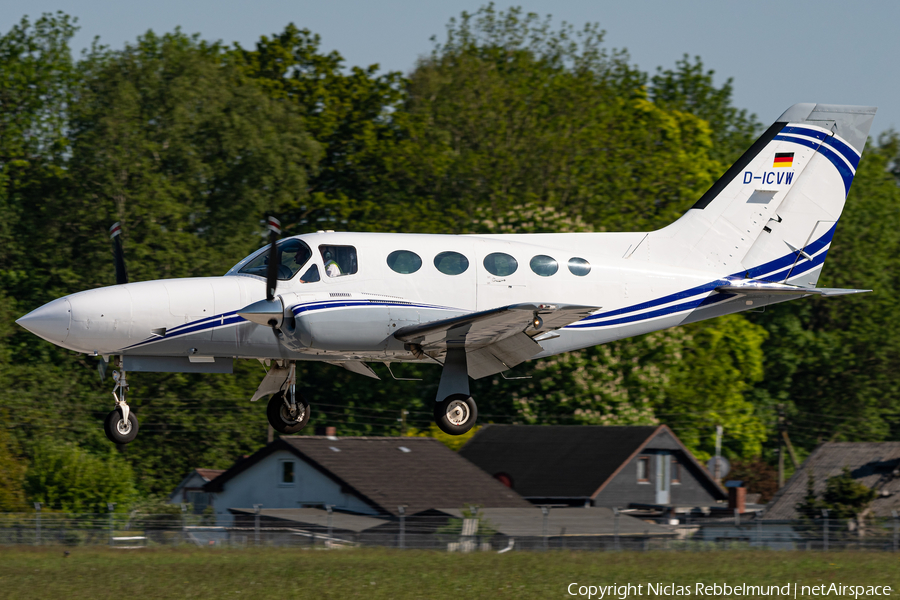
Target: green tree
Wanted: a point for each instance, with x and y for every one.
(844, 497)
(508, 111)
(347, 110)
(689, 88)
(67, 478)
(12, 472)
(834, 364)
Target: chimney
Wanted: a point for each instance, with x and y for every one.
(330, 430)
(737, 496)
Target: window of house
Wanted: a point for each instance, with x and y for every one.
(676, 471)
(500, 264)
(287, 473)
(643, 469)
(451, 263)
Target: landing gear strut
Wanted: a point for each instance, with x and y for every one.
(121, 426)
(288, 411)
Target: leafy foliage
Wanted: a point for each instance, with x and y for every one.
(69, 479)
(844, 497)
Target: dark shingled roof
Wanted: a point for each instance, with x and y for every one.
(874, 464)
(427, 475)
(562, 461)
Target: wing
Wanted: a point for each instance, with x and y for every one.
(764, 288)
(497, 339)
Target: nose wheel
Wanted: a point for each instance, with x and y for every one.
(120, 426)
(119, 429)
(456, 414)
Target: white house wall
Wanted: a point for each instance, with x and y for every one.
(261, 484)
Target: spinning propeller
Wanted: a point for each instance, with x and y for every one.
(274, 227)
(118, 253)
(271, 310)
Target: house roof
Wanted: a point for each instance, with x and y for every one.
(564, 521)
(874, 464)
(206, 475)
(315, 517)
(563, 461)
(209, 474)
(388, 472)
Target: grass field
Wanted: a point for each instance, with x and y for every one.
(98, 573)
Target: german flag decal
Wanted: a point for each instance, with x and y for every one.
(783, 159)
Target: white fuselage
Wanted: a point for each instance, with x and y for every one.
(355, 315)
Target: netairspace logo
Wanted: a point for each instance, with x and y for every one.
(791, 590)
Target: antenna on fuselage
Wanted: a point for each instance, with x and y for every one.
(115, 233)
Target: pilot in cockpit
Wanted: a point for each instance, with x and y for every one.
(331, 267)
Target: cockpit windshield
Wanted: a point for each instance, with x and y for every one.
(292, 255)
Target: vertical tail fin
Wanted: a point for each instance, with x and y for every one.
(773, 213)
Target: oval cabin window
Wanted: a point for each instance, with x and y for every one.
(404, 262)
(451, 263)
(500, 264)
(579, 267)
(545, 266)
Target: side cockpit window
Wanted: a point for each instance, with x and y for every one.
(291, 255)
(339, 260)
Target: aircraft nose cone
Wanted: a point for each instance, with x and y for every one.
(51, 321)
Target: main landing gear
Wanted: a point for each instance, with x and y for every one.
(455, 411)
(288, 411)
(121, 426)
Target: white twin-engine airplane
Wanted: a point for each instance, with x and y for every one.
(480, 304)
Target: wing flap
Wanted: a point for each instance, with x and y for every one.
(501, 356)
(487, 327)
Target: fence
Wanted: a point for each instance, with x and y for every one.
(446, 532)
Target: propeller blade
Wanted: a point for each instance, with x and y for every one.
(118, 253)
(274, 226)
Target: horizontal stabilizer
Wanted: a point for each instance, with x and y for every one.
(483, 328)
(765, 288)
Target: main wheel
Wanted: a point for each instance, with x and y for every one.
(280, 417)
(118, 430)
(456, 414)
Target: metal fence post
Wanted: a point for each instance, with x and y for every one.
(329, 508)
(546, 511)
(37, 524)
(257, 507)
(110, 506)
(759, 529)
(184, 509)
(402, 541)
(896, 531)
(616, 529)
(825, 529)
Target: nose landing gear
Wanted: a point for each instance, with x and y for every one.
(120, 426)
(288, 411)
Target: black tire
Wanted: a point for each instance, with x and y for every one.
(280, 418)
(117, 430)
(452, 422)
